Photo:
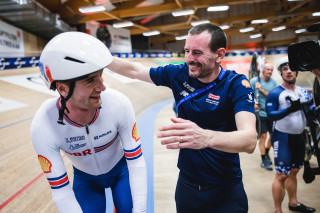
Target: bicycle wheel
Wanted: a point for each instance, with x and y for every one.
(316, 92)
(308, 148)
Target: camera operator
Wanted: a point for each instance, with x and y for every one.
(304, 56)
(284, 108)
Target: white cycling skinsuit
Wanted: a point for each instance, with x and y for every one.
(287, 136)
(96, 150)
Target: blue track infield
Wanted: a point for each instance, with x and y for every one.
(145, 125)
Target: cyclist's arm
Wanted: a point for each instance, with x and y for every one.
(130, 140)
(53, 166)
(272, 105)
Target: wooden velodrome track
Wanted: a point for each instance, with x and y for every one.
(24, 188)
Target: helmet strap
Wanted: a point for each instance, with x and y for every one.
(64, 103)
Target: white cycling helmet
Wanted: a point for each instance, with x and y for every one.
(282, 61)
(71, 55)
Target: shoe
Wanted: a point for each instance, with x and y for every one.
(301, 208)
(268, 159)
(266, 165)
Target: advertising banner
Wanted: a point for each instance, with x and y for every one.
(11, 41)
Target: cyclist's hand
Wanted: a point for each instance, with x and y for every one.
(295, 106)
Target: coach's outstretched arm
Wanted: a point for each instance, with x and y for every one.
(130, 69)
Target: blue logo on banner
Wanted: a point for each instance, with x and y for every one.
(17, 63)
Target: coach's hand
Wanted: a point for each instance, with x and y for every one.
(183, 134)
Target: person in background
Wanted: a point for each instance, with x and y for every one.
(283, 106)
(96, 130)
(215, 122)
(263, 87)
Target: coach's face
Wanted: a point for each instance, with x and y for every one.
(201, 61)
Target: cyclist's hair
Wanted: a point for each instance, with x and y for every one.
(218, 37)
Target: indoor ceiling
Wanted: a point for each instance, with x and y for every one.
(151, 15)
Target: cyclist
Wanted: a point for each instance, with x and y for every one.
(96, 130)
(283, 107)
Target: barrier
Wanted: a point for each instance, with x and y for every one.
(17, 63)
(23, 62)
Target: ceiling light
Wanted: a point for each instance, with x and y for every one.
(224, 27)
(195, 23)
(316, 14)
(92, 9)
(256, 35)
(123, 24)
(183, 13)
(22, 2)
(248, 29)
(181, 37)
(218, 8)
(151, 33)
(259, 21)
(278, 28)
(300, 31)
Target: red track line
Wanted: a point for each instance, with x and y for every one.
(20, 191)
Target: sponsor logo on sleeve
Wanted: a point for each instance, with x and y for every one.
(250, 97)
(45, 164)
(135, 133)
(246, 83)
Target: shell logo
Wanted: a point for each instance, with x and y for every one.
(246, 83)
(45, 164)
(135, 133)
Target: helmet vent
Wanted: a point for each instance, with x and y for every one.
(74, 60)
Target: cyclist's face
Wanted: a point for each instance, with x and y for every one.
(86, 93)
(288, 75)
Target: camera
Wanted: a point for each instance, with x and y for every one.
(305, 56)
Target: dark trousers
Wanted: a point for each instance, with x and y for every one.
(193, 196)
